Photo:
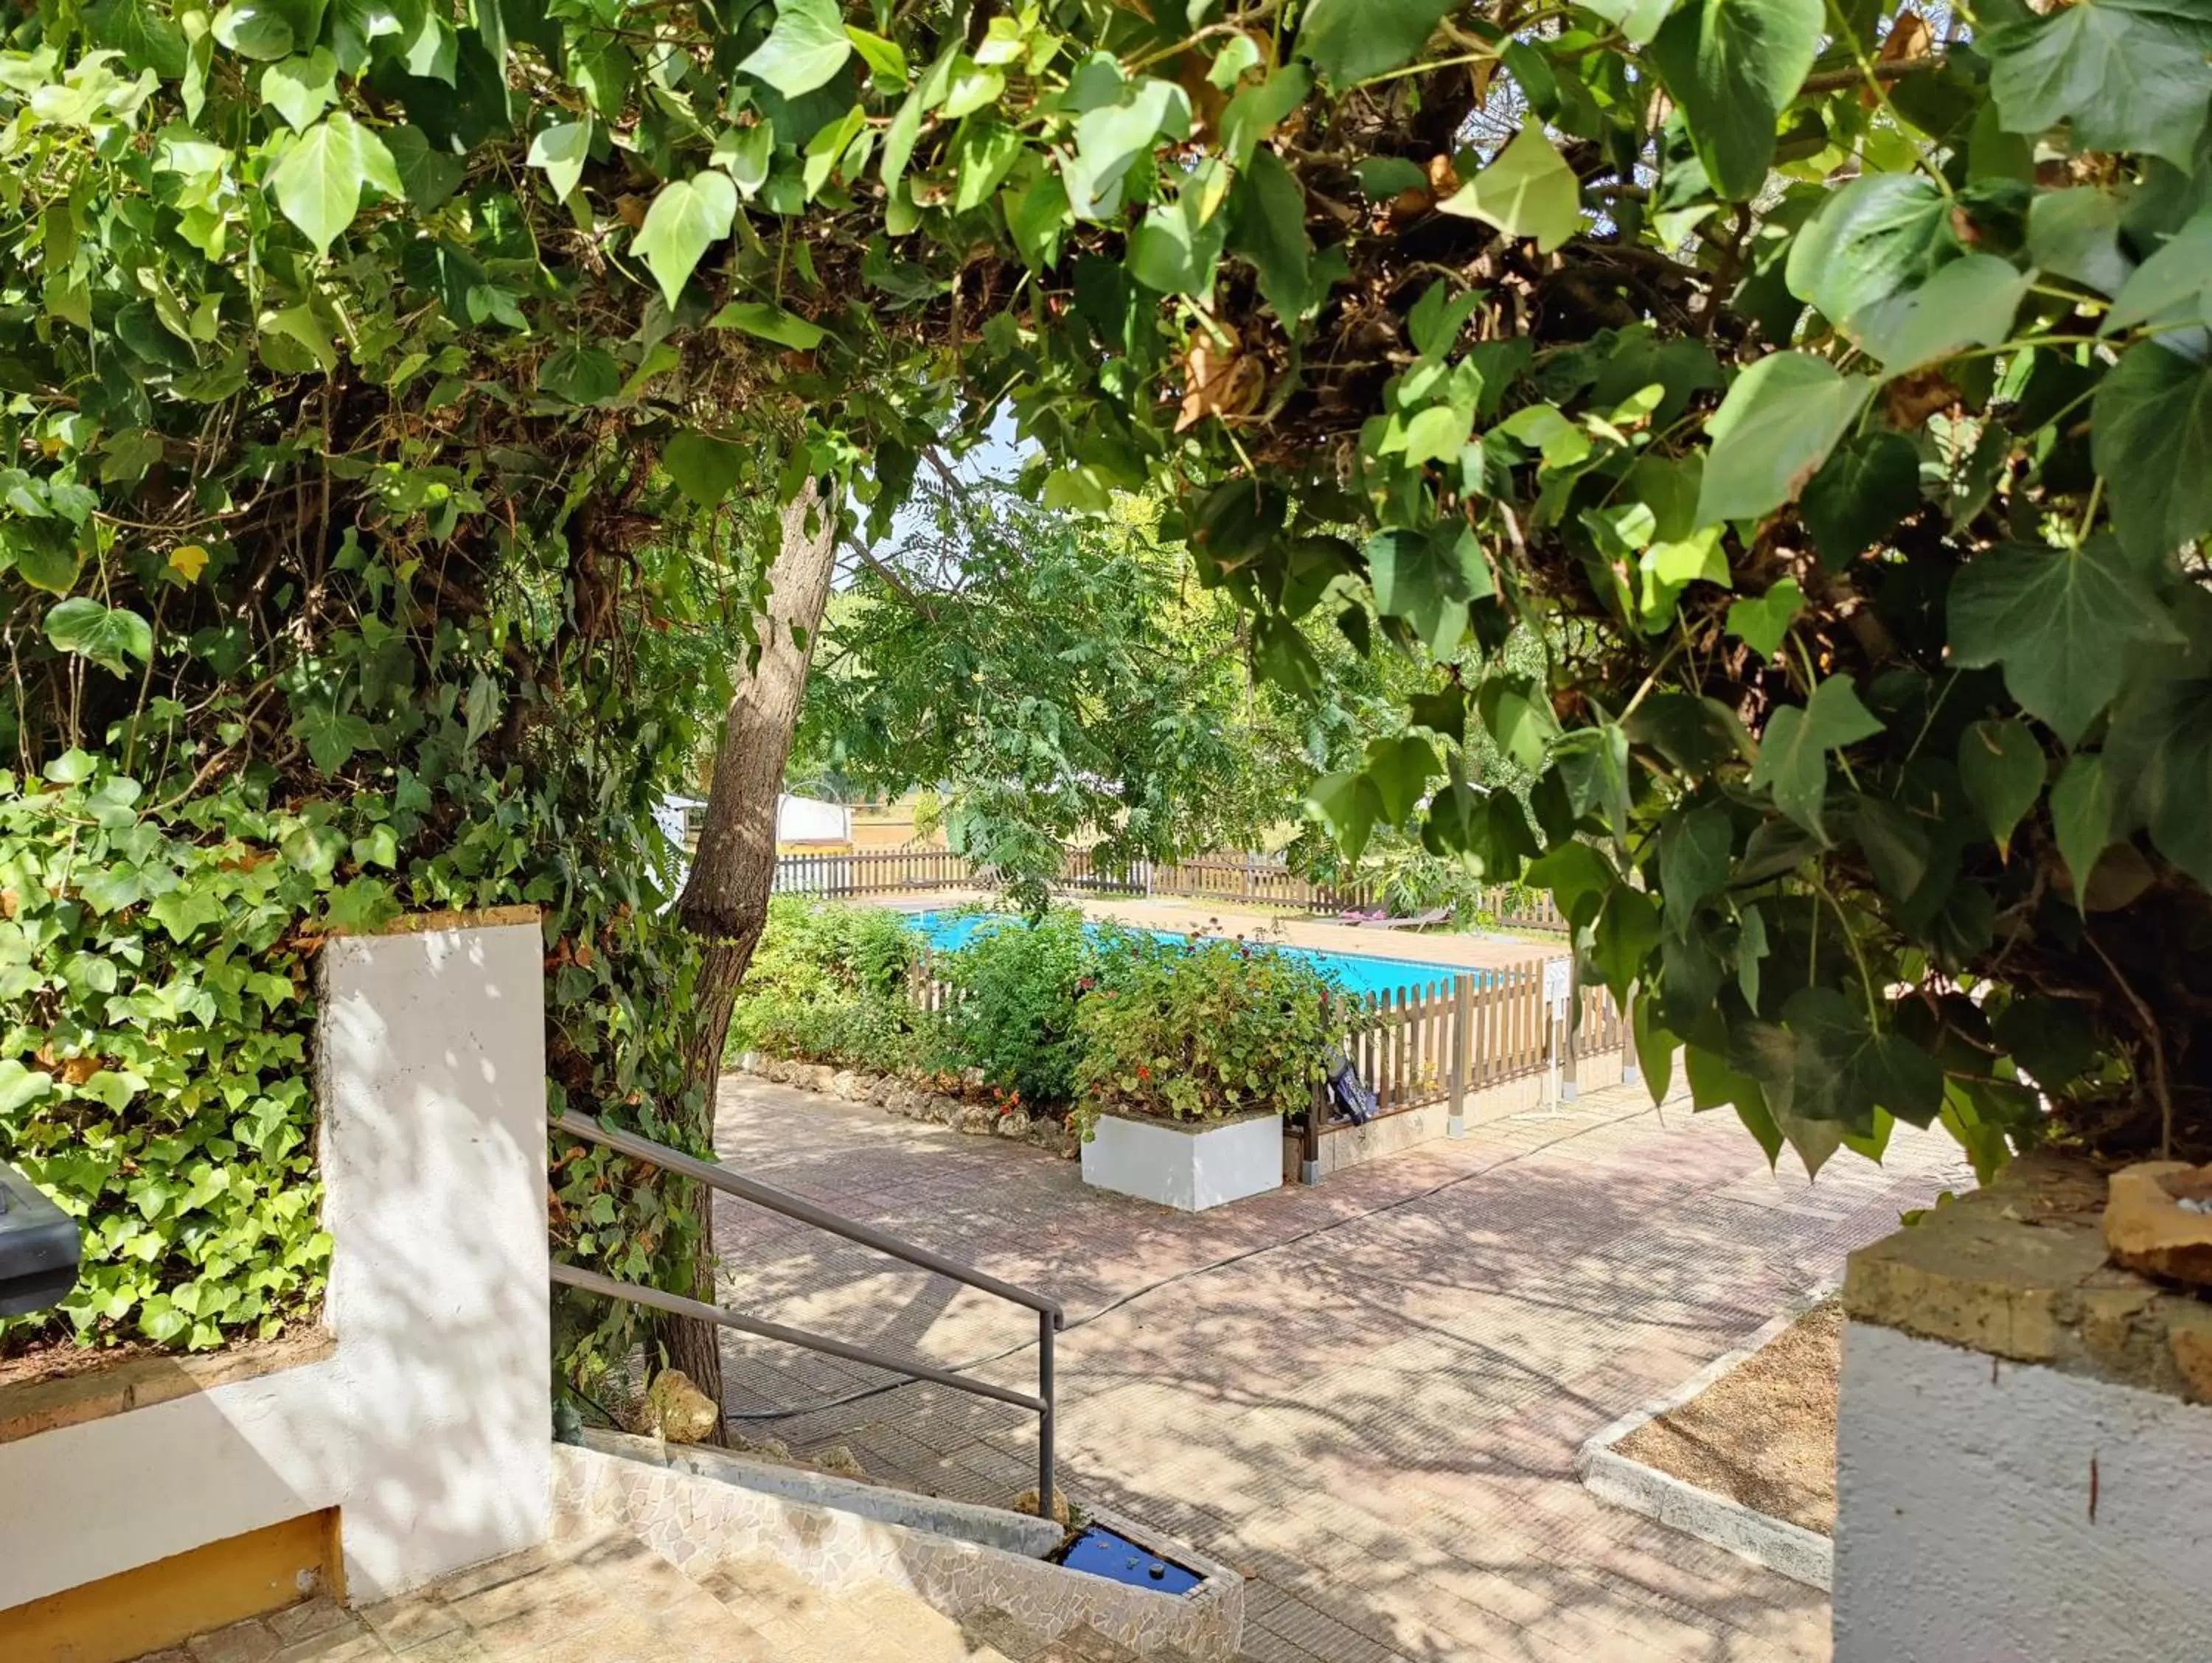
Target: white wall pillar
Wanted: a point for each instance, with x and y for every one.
(429, 1425)
(1994, 1509)
(432, 1076)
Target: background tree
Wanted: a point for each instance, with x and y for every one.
(1057, 680)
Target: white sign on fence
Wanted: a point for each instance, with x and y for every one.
(1558, 983)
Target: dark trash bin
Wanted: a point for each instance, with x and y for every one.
(38, 1247)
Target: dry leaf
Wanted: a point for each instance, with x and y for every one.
(1908, 39)
(1911, 399)
(1218, 379)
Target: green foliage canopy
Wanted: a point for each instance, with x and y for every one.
(1820, 392)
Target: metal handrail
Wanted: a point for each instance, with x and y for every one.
(1050, 1317)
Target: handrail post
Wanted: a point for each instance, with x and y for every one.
(1047, 1324)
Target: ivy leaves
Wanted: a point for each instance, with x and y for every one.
(1528, 192)
(2002, 768)
(1734, 65)
(1349, 40)
(806, 47)
(318, 179)
(1773, 430)
(2151, 431)
(109, 636)
(686, 219)
(2062, 622)
(2126, 75)
(1793, 754)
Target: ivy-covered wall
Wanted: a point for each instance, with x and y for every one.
(163, 894)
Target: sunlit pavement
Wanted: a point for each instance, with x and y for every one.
(1367, 1395)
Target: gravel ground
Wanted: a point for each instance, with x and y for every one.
(1765, 1433)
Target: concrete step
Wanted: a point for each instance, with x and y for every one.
(995, 1634)
(605, 1599)
(864, 1575)
(875, 1620)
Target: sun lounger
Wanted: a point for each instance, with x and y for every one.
(1436, 915)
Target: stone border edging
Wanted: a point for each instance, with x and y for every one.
(1804, 1556)
(912, 1102)
(691, 1521)
(1024, 1534)
(28, 1407)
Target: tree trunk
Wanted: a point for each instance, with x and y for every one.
(725, 901)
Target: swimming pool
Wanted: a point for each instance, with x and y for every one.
(1356, 973)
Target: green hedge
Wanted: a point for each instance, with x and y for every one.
(1048, 1013)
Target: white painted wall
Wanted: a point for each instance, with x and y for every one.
(430, 1425)
(1963, 1528)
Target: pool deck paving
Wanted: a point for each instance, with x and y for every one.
(1367, 1396)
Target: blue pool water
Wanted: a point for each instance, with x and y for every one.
(1356, 973)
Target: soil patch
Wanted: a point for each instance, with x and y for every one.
(1764, 1434)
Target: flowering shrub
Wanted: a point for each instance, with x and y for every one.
(1202, 1032)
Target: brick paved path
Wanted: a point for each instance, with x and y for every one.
(1367, 1396)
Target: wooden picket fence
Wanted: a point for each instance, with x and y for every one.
(1480, 1029)
(1523, 909)
(925, 990)
(1252, 878)
(1257, 879)
(887, 871)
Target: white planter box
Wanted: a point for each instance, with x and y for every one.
(1191, 1167)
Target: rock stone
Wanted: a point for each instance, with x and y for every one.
(1014, 1123)
(2192, 1356)
(976, 1117)
(681, 1412)
(1027, 1502)
(2146, 1226)
(880, 1087)
(947, 1111)
(845, 1084)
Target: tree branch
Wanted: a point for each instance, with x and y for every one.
(898, 584)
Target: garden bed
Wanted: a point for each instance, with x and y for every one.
(1033, 1027)
(1744, 1454)
(1764, 1434)
(977, 1115)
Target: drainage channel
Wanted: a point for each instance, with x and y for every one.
(1104, 1553)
